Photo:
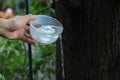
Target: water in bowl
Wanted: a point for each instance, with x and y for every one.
(48, 34)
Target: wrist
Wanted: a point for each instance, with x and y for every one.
(11, 24)
(4, 24)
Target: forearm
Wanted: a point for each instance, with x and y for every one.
(16, 29)
(4, 23)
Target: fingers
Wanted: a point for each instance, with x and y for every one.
(32, 17)
(27, 37)
(27, 28)
(29, 17)
(28, 40)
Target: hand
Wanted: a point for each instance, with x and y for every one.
(17, 29)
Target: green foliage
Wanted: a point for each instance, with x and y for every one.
(44, 60)
(44, 56)
(14, 56)
(38, 7)
(12, 59)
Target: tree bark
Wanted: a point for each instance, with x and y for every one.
(91, 39)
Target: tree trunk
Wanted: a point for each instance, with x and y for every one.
(91, 39)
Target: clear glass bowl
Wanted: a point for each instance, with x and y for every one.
(45, 29)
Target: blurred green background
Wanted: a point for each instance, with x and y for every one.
(13, 54)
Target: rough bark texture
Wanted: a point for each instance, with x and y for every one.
(91, 39)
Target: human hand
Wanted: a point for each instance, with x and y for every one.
(16, 28)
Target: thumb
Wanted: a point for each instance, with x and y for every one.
(29, 17)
